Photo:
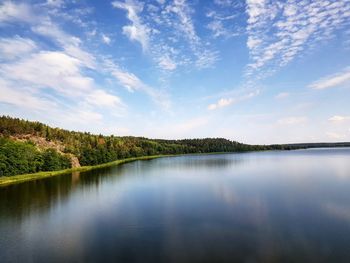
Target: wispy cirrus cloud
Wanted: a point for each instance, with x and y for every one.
(279, 31)
(63, 60)
(282, 95)
(339, 118)
(225, 3)
(137, 30)
(58, 80)
(141, 32)
(293, 120)
(224, 19)
(15, 47)
(159, 27)
(336, 136)
(10, 12)
(177, 15)
(335, 80)
(23, 98)
(70, 44)
(132, 83)
(45, 75)
(106, 39)
(55, 3)
(224, 102)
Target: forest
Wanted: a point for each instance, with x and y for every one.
(26, 156)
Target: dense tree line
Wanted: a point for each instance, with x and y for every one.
(24, 157)
(16, 157)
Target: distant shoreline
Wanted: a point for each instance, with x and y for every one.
(33, 150)
(9, 180)
(21, 178)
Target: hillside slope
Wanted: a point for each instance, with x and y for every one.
(27, 147)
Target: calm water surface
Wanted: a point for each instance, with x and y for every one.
(291, 206)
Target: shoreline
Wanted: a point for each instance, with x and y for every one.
(21, 178)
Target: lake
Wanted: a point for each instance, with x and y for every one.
(275, 206)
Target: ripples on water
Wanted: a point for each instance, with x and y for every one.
(291, 206)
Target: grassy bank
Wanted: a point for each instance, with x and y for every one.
(5, 181)
(8, 180)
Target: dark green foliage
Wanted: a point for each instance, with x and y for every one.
(17, 158)
(53, 161)
(20, 158)
(97, 149)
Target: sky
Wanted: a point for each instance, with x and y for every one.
(254, 71)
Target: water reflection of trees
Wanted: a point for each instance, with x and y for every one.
(17, 201)
(203, 162)
(21, 200)
(39, 196)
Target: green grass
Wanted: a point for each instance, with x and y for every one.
(8, 180)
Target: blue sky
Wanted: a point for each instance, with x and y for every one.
(256, 71)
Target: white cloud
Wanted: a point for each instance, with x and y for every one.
(11, 12)
(115, 130)
(128, 80)
(166, 31)
(60, 82)
(82, 116)
(41, 23)
(101, 98)
(55, 3)
(60, 73)
(338, 118)
(255, 8)
(292, 120)
(167, 63)
(282, 95)
(290, 10)
(50, 69)
(224, 102)
(217, 27)
(72, 47)
(183, 12)
(70, 44)
(15, 47)
(185, 127)
(106, 39)
(49, 83)
(224, 3)
(206, 59)
(37, 104)
(132, 83)
(253, 42)
(335, 136)
(136, 31)
(224, 19)
(279, 31)
(335, 80)
(22, 98)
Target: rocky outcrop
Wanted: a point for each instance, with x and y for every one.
(43, 144)
(74, 161)
(40, 142)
